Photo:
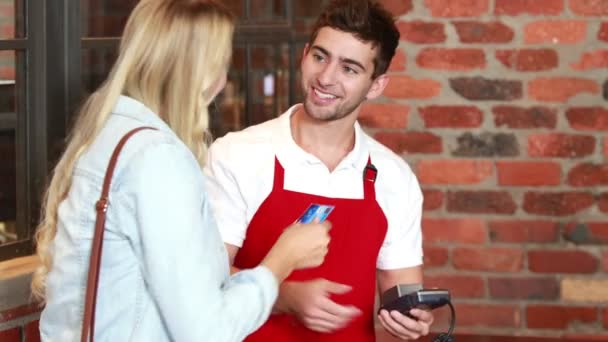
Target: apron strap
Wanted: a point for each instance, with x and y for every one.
(369, 178)
(279, 175)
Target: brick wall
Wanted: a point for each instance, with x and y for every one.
(500, 108)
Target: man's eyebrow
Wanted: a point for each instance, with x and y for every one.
(344, 60)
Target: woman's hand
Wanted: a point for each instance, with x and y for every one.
(299, 246)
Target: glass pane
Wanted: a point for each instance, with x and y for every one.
(11, 19)
(270, 69)
(105, 18)
(299, 95)
(267, 10)
(237, 7)
(8, 166)
(227, 112)
(268, 81)
(305, 14)
(96, 65)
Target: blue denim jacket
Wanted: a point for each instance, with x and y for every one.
(164, 271)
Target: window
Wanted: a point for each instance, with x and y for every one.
(46, 71)
(21, 134)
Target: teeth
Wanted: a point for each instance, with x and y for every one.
(323, 95)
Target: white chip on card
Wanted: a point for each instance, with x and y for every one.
(316, 211)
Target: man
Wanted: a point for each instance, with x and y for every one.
(263, 178)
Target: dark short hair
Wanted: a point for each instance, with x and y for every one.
(368, 21)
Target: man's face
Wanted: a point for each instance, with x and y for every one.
(336, 75)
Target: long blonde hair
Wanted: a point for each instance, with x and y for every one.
(172, 55)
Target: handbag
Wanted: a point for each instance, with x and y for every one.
(101, 207)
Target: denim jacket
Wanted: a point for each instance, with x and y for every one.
(164, 272)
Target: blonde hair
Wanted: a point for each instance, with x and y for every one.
(172, 57)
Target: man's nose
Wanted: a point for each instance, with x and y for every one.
(327, 75)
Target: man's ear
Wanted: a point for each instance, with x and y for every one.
(378, 85)
(306, 50)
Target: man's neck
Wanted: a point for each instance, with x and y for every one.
(330, 141)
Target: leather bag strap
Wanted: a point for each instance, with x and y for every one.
(88, 322)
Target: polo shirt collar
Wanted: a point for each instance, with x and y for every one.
(290, 154)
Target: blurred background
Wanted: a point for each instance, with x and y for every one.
(499, 106)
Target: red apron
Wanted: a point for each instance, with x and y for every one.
(358, 230)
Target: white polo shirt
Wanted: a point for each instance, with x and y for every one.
(240, 173)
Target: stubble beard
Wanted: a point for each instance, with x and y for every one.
(325, 114)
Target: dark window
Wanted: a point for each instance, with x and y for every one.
(46, 71)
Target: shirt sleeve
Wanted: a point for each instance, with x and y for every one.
(183, 260)
(227, 201)
(402, 246)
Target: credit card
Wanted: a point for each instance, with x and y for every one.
(315, 211)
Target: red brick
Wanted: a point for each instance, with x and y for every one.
(605, 313)
(562, 261)
(588, 174)
(561, 89)
(528, 173)
(32, 332)
(421, 32)
(603, 202)
(479, 88)
(451, 116)
(381, 115)
(519, 117)
(488, 315)
(457, 8)
(557, 203)
(532, 7)
(558, 317)
(606, 146)
(433, 199)
(560, 145)
(602, 34)
(454, 230)
(483, 32)
(399, 62)
(589, 7)
(592, 60)
(488, 259)
(528, 59)
(453, 171)
(555, 32)
(461, 286)
(411, 142)
(521, 231)
(590, 233)
(533, 288)
(397, 7)
(435, 256)
(451, 59)
(405, 87)
(588, 118)
(481, 202)
(11, 335)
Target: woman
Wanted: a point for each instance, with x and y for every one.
(164, 271)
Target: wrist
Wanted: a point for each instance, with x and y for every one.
(279, 267)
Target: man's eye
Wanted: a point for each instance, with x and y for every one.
(350, 70)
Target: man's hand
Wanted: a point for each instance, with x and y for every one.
(309, 301)
(406, 328)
